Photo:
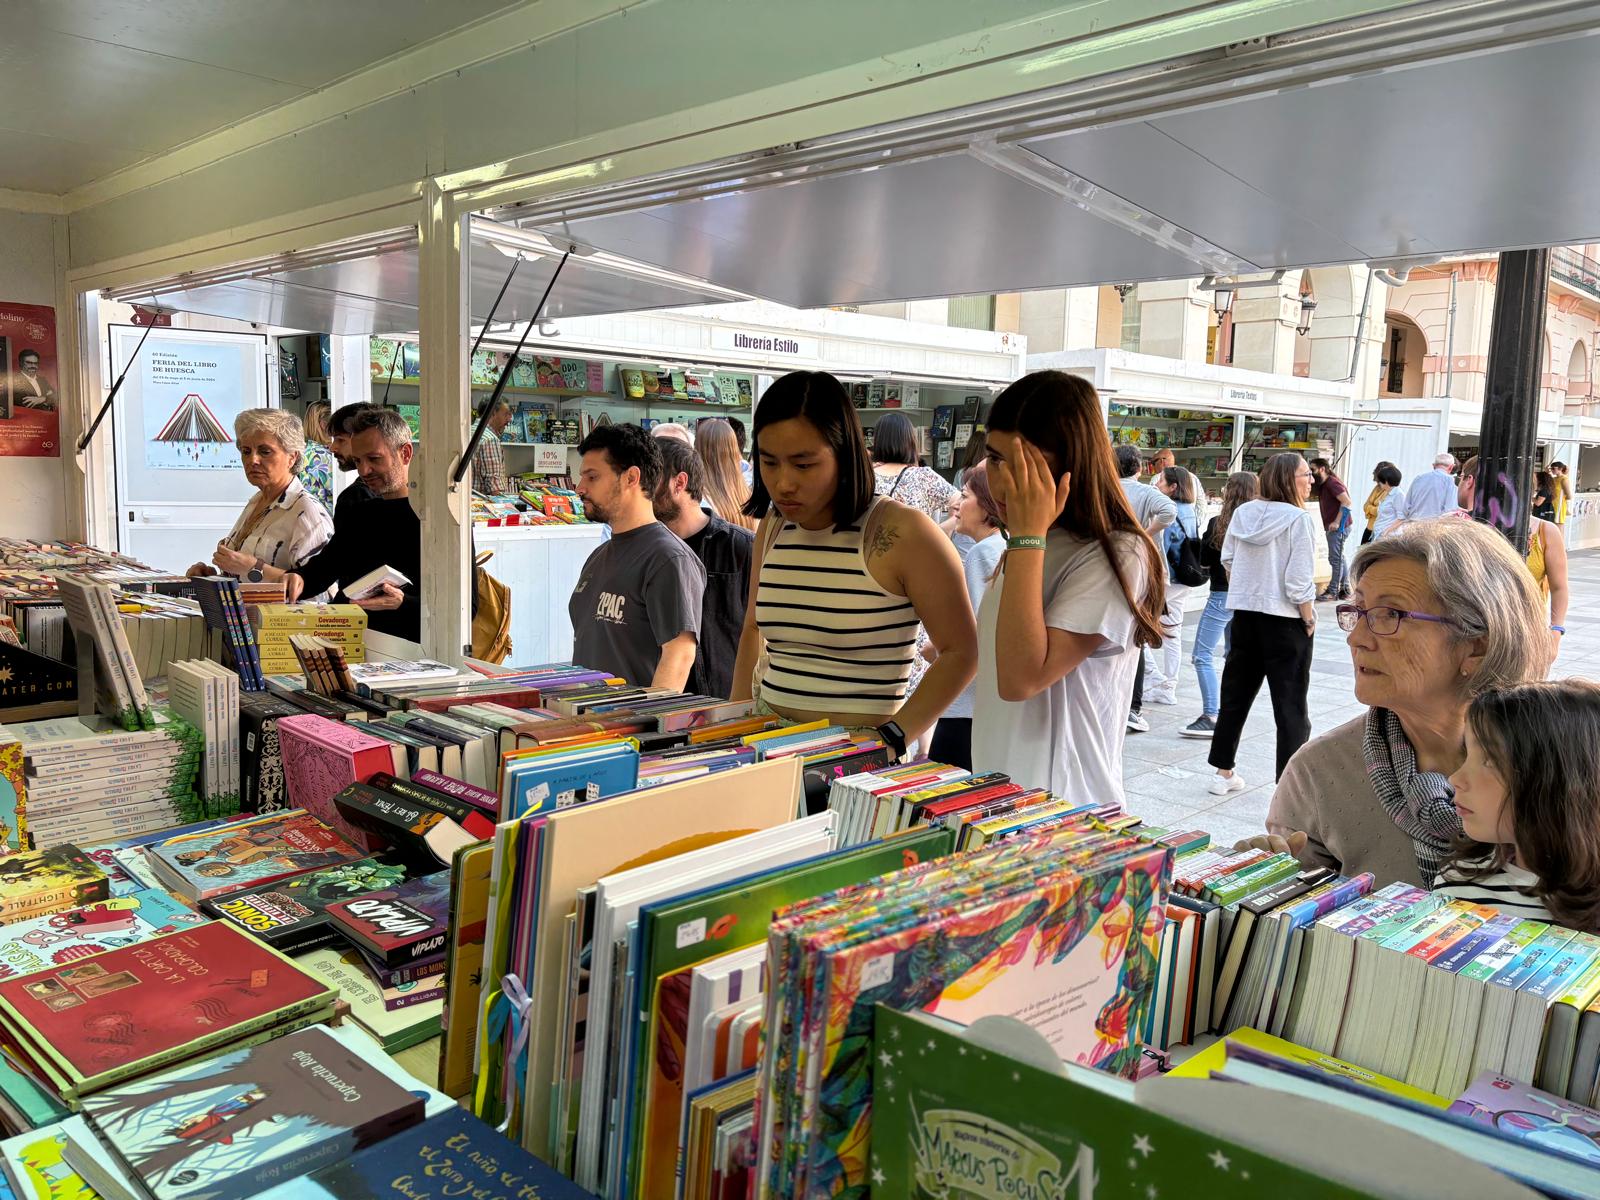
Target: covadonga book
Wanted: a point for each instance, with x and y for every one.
(400, 924)
(130, 1011)
(226, 1127)
(291, 915)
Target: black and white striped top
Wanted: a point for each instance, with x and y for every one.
(835, 640)
(1507, 890)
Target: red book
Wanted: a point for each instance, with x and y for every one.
(321, 758)
(522, 697)
(112, 1016)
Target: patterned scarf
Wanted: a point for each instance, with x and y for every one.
(1419, 802)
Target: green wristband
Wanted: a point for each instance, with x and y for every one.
(1025, 543)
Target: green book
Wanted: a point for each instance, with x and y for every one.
(1243, 884)
(952, 1118)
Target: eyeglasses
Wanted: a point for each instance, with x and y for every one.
(1382, 621)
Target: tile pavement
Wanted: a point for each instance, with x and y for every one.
(1166, 775)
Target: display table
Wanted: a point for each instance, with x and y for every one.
(540, 564)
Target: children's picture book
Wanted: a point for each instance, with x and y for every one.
(248, 853)
(74, 933)
(399, 924)
(13, 794)
(33, 882)
(1547, 1122)
(129, 1011)
(291, 915)
(225, 1127)
(463, 969)
(36, 1162)
(482, 1163)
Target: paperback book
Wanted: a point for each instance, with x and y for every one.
(291, 915)
(247, 853)
(400, 924)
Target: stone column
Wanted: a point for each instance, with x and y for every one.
(1172, 320)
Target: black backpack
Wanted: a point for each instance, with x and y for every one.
(1184, 563)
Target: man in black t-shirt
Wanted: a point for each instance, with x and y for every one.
(724, 549)
(636, 608)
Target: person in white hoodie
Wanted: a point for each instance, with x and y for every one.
(1270, 554)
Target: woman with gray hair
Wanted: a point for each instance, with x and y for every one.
(283, 525)
(1442, 612)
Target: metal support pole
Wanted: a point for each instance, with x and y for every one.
(1508, 436)
(445, 293)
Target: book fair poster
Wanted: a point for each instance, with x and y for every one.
(29, 417)
(191, 393)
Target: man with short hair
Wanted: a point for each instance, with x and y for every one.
(340, 423)
(1155, 512)
(1164, 458)
(1334, 499)
(1434, 494)
(29, 388)
(671, 430)
(380, 532)
(636, 609)
(724, 549)
(488, 460)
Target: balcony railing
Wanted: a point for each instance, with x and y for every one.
(1577, 269)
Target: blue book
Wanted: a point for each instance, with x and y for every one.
(454, 1146)
(547, 782)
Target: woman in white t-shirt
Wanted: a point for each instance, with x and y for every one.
(1081, 590)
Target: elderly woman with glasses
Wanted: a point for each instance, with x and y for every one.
(283, 525)
(1442, 611)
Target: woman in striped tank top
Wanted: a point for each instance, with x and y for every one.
(842, 577)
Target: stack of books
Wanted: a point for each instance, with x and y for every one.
(202, 864)
(225, 613)
(275, 624)
(120, 691)
(88, 780)
(323, 664)
(206, 695)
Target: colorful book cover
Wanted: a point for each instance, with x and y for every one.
(546, 782)
(75, 933)
(43, 881)
(398, 924)
(955, 1119)
(224, 1128)
(1544, 1121)
(130, 1010)
(451, 1154)
(463, 972)
(1214, 1058)
(248, 853)
(346, 972)
(13, 794)
(37, 1162)
(321, 758)
(291, 915)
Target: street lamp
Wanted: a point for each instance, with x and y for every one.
(1307, 307)
(1222, 298)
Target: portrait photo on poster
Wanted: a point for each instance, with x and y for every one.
(29, 421)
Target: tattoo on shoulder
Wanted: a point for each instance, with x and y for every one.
(883, 539)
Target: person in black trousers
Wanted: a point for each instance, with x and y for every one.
(1270, 554)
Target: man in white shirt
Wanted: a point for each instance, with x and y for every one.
(1433, 495)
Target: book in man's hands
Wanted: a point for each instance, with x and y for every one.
(372, 583)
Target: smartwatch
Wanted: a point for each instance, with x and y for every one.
(894, 737)
(255, 573)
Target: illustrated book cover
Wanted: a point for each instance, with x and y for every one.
(33, 882)
(291, 915)
(321, 758)
(399, 924)
(248, 853)
(58, 939)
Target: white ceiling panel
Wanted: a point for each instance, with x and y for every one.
(114, 81)
(938, 227)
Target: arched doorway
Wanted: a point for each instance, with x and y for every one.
(1404, 348)
(1579, 386)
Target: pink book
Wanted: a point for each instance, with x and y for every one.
(320, 759)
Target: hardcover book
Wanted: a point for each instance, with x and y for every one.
(1548, 1122)
(418, 831)
(248, 853)
(321, 758)
(226, 1127)
(262, 786)
(34, 882)
(13, 794)
(291, 915)
(130, 1011)
(65, 937)
(400, 924)
(347, 973)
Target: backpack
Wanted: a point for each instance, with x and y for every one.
(1184, 564)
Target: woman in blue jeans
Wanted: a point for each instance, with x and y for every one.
(1216, 620)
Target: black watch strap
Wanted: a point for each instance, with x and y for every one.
(894, 737)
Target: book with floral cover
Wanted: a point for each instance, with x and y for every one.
(321, 758)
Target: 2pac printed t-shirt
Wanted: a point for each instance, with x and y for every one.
(637, 592)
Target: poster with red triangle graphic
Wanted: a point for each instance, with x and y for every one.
(191, 393)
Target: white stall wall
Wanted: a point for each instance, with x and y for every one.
(32, 492)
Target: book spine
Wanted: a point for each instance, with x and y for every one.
(124, 653)
(411, 972)
(91, 623)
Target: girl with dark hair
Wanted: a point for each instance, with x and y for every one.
(1080, 590)
(1381, 501)
(898, 471)
(977, 539)
(1528, 796)
(1216, 622)
(842, 577)
(1269, 552)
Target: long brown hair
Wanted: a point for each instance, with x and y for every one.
(1280, 479)
(1060, 414)
(722, 480)
(1543, 740)
(1241, 488)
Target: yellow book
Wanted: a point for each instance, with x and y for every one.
(1215, 1057)
(755, 739)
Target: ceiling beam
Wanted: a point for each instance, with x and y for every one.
(31, 202)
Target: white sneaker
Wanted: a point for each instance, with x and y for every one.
(1161, 695)
(1224, 785)
(1137, 723)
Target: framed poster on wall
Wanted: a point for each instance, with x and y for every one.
(29, 421)
(179, 484)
